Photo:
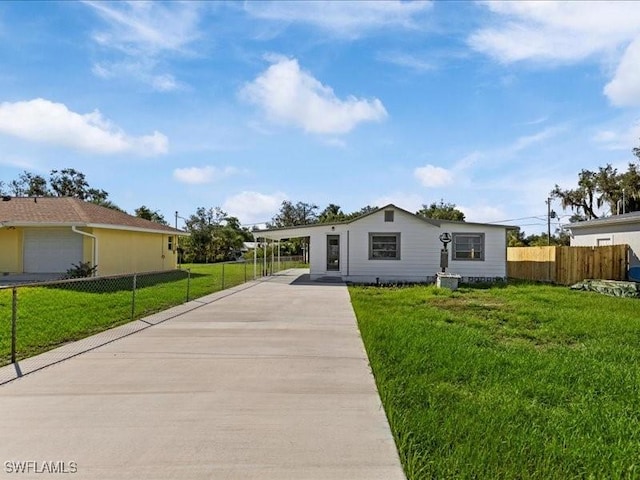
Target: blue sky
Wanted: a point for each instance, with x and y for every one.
(242, 105)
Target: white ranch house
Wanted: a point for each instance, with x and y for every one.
(393, 245)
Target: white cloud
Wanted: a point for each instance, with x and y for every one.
(292, 96)
(405, 60)
(254, 207)
(482, 213)
(432, 176)
(556, 31)
(342, 18)
(147, 27)
(43, 121)
(203, 175)
(140, 70)
(624, 89)
(619, 137)
(568, 32)
(526, 141)
(143, 32)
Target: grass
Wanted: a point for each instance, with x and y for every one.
(50, 316)
(514, 382)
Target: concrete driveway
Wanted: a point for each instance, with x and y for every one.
(265, 382)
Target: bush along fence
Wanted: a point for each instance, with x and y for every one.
(568, 265)
(37, 317)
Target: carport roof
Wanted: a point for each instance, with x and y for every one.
(67, 211)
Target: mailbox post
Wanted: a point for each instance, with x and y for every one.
(446, 280)
(445, 238)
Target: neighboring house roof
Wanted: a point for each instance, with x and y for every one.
(626, 218)
(431, 221)
(67, 211)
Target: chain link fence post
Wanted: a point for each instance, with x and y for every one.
(14, 322)
(133, 295)
(222, 277)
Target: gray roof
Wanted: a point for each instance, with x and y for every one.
(632, 217)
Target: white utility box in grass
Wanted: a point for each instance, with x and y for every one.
(447, 280)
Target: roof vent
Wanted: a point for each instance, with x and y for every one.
(6, 198)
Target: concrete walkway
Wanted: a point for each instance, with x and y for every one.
(266, 382)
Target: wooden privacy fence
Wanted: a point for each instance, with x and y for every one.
(567, 265)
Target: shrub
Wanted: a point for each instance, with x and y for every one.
(81, 270)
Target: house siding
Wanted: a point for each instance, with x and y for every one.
(11, 250)
(419, 250)
(124, 251)
(495, 254)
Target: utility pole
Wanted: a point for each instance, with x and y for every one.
(550, 214)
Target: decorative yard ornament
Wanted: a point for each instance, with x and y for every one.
(445, 238)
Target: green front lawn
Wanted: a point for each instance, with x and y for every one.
(516, 382)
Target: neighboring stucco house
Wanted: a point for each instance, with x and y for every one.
(614, 230)
(50, 234)
(392, 244)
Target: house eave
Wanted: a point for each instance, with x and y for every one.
(603, 223)
(91, 225)
(137, 229)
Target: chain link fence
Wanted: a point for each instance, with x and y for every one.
(37, 317)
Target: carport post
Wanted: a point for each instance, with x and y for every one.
(14, 322)
(264, 259)
(255, 258)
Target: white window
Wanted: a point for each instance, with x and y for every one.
(384, 246)
(170, 243)
(468, 246)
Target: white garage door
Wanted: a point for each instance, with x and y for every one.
(51, 250)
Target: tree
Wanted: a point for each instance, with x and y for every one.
(331, 214)
(62, 183)
(441, 211)
(291, 215)
(214, 236)
(30, 185)
(152, 215)
(201, 225)
(515, 238)
(358, 213)
(618, 192)
(69, 182)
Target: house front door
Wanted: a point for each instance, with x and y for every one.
(333, 253)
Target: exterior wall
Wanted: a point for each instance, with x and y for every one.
(616, 234)
(419, 250)
(495, 254)
(122, 251)
(10, 250)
